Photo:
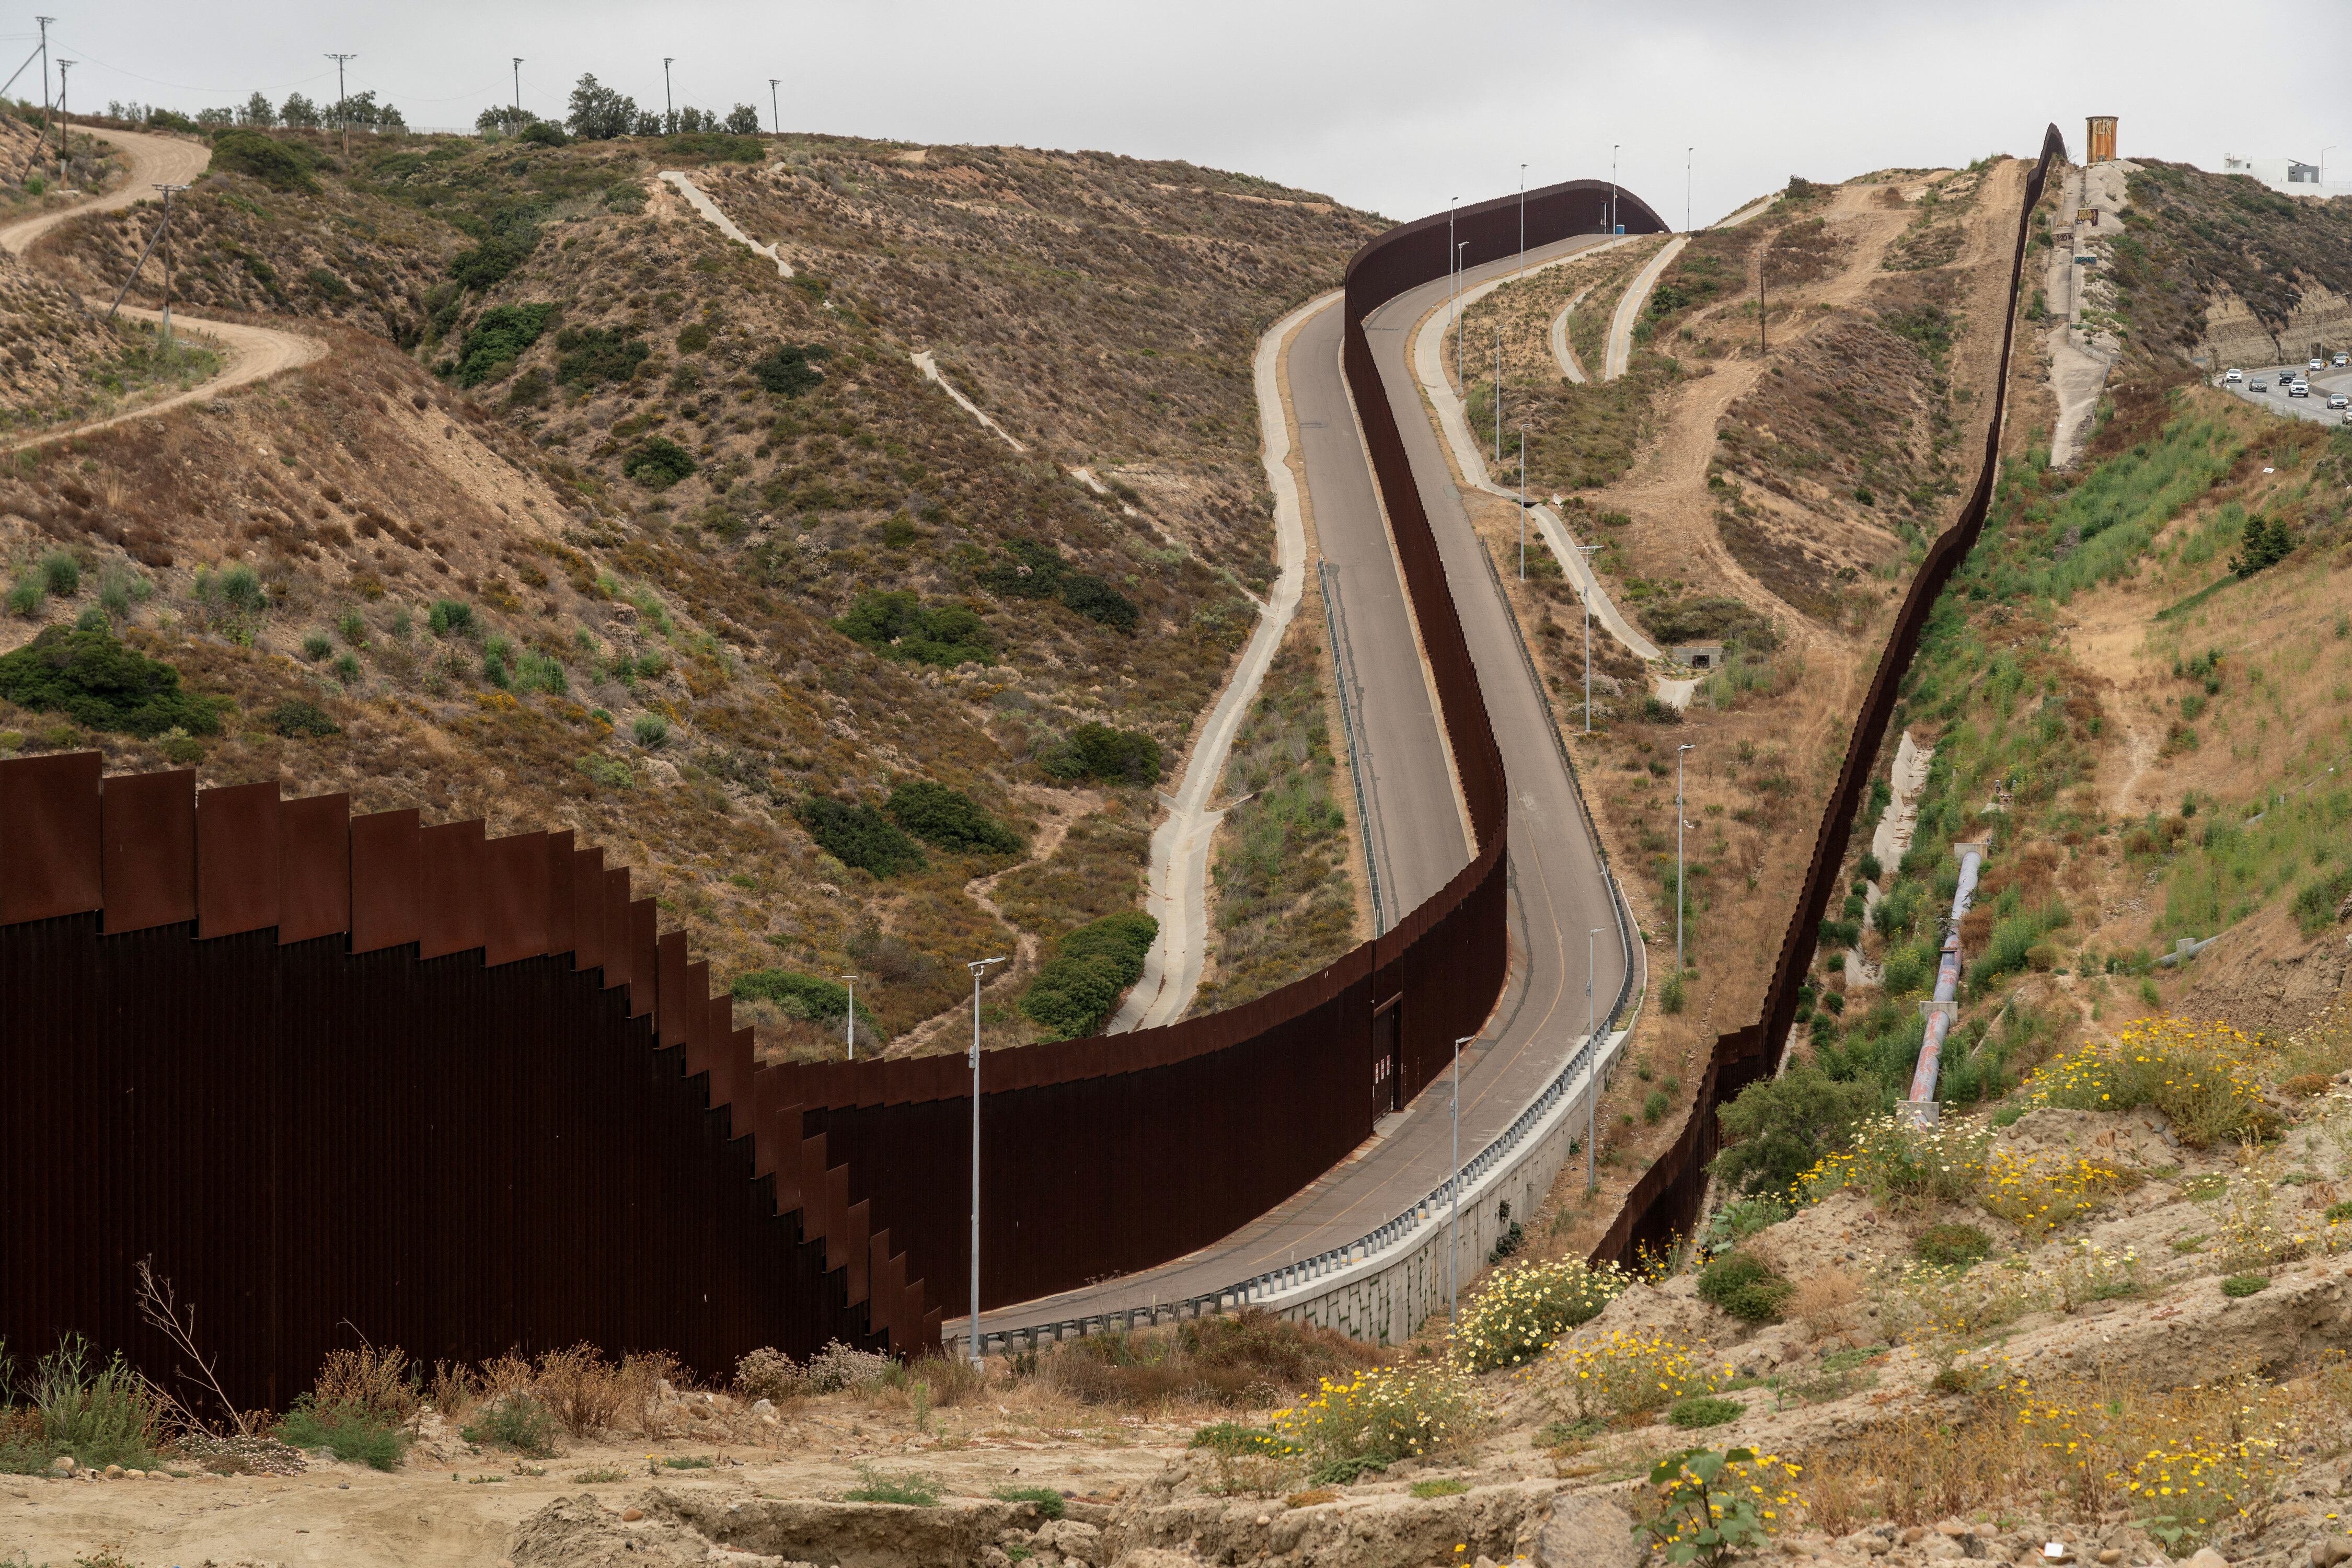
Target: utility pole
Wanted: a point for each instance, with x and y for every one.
(64, 134)
(1761, 346)
(670, 109)
(163, 233)
(1591, 1077)
(1588, 552)
(1612, 187)
(517, 81)
(1523, 503)
(776, 115)
(1464, 385)
(1687, 188)
(343, 102)
(850, 1028)
(1454, 1243)
(1679, 897)
(1498, 388)
(45, 22)
(1523, 209)
(978, 970)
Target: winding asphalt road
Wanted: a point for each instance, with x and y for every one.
(1418, 831)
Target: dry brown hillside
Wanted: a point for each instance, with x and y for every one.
(592, 518)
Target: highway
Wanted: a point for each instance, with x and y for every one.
(2324, 383)
(1418, 833)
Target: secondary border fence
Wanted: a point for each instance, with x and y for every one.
(1664, 1203)
(337, 1076)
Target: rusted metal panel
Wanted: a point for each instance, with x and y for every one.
(588, 908)
(644, 972)
(387, 880)
(671, 966)
(148, 861)
(836, 1217)
(561, 887)
(856, 1244)
(315, 877)
(515, 922)
(240, 872)
(452, 887)
(49, 836)
(620, 953)
(882, 1306)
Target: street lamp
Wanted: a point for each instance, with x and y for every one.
(1523, 503)
(1612, 187)
(670, 109)
(1457, 320)
(850, 1028)
(1679, 900)
(1523, 207)
(1454, 1245)
(1590, 582)
(1498, 387)
(1687, 188)
(776, 115)
(518, 80)
(978, 969)
(1591, 1074)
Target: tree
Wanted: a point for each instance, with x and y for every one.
(1778, 1127)
(2266, 542)
(692, 121)
(598, 112)
(743, 120)
(648, 124)
(299, 112)
(503, 120)
(256, 111)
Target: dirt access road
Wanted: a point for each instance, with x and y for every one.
(251, 354)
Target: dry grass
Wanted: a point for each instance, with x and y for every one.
(1252, 1358)
(1825, 1301)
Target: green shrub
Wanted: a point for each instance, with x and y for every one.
(2242, 1285)
(650, 731)
(790, 369)
(2338, 1214)
(950, 818)
(590, 354)
(346, 668)
(713, 147)
(2317, 901)
(1777, 1128)
(897, 625)
(1671, 996)
(1045, 1499)
(1705, 1410)
(1037, 570)
(316, 646)
(1952, 1246)
(26, 596)
(1654, 1106)
(298, 717)
(658, 463)
(353, 1431)
(1443, 1486)
(1096, 599)
(1077, 988)
(610, 773)
(487, 263)
(1743, 1286)
(1522, 1308)
(450, 618)
(807, 997)
(910, 1491)
(1109, 756)
(88, 674)
(101, 1415)
(498, 338)
(280, 165)
(515, 1421)
(857, 835)
(61, 573)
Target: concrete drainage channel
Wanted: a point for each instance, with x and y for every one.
(1528, 1522)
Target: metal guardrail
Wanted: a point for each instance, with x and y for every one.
(1342, 673)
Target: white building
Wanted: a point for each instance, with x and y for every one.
(2288, 176)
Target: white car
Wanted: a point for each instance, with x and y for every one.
(2299, 389)
(2317, 364)
(2233, 375)
(2342, 360)
(2339, 400)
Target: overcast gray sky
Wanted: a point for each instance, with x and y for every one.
(1394, 105)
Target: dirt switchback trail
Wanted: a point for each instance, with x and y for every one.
(252, 352)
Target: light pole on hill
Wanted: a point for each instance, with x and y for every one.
(45, 22)
(517, 81)
(1591, 1074)
(1680, 898)
(1612, 187)
(669, 105)
(1523, 503)
(1454, 1245)
(1464, 385)
(342, 101)
(1588, 552)
(776, 115)
(850, 1029)
(1687, 152)
(1523, 216)
(978, 969)
(64, 122)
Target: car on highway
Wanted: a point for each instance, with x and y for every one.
(2258, 384)
(2317, 364)
(2338, 400)
(2231, 375)
(2343, 360)
(2298, 389)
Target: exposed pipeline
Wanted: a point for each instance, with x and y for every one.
(1946, 1005)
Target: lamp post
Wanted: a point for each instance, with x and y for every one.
(1588, 552)
(776, 115)
(978, 969)
(65, 123)
(1523, 205)
(1687, 152)
(1464, 385)
(1454, 1243)
(517, 60)
(1679, 899)
(163, 233)
(344, 101)
(1591, 1073)
(1612, 187)
(849, 1026)
(1498, 388)
(1523, 503)
(669, 112)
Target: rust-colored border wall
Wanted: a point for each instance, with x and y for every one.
(1664, 1202)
